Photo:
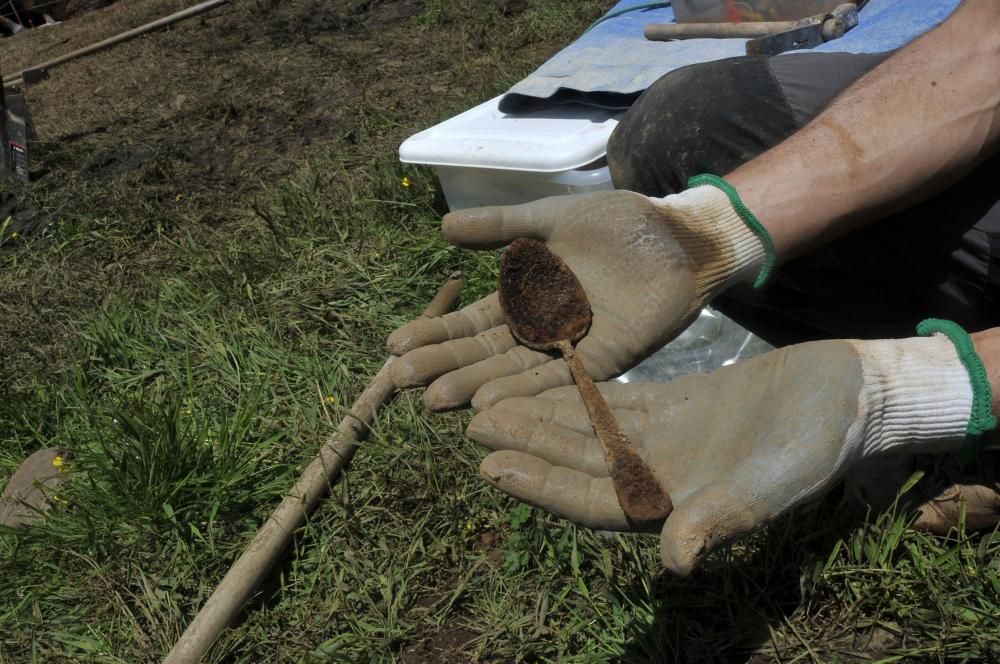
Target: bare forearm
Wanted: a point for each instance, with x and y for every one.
(987, 345)
(904, 131)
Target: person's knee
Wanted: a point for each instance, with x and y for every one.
(624, 160)
(704, 118)
(643, 148)
(652, 147)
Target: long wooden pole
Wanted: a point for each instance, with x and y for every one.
(272, 538)
(200, 8)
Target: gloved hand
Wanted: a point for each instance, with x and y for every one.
(647, 266)
(737, 447)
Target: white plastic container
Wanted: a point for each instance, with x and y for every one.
(485, 157)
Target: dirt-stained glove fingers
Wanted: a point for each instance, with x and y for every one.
(501, 429)
(553, 381)
(581, 498)
(553, 373)
(495, 226)
(466, 322)
(736, 504)
(620, 396)
(570, 414)
(422, 365)
(456, 389)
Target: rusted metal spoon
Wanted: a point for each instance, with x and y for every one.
(547, 309)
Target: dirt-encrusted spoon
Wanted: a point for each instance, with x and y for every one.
(547, 309)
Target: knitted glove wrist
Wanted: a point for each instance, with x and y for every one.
(917, 397)
(720, 244)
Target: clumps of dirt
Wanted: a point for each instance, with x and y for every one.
(359, 15)
(236, 143)
(74, 7)
(510, 7)
(114, 161)
(490, 543)
(541, 297)
(324, 21)
(444, 647)
(18, 221)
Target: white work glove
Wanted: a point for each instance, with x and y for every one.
(647, 266)
(738, 447)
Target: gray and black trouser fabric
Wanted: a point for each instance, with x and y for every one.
(940, 258)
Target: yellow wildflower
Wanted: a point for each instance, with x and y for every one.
(406, 181)
(330, 399)
(58, 461)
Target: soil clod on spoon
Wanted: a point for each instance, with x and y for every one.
(547, 309)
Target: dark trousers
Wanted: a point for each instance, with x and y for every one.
(939, 259)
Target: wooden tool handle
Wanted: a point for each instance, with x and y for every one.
(272, 538)
(751, 29)
(642, 497)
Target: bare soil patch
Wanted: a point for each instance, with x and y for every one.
(179, 130)
(445, 646)
(235, 97)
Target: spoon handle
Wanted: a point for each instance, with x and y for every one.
(642, 497)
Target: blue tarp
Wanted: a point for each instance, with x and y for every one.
(612, 63)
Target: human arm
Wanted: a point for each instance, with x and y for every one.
(904, 131)
(987, 344)
(743, 445)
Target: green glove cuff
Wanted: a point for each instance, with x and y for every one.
(748, 218)
(981, 419)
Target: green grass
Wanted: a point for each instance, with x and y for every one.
(193, 359)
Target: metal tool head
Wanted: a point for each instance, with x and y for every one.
(807, 33)
(541, 297)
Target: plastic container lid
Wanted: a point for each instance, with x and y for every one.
(561, 138)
